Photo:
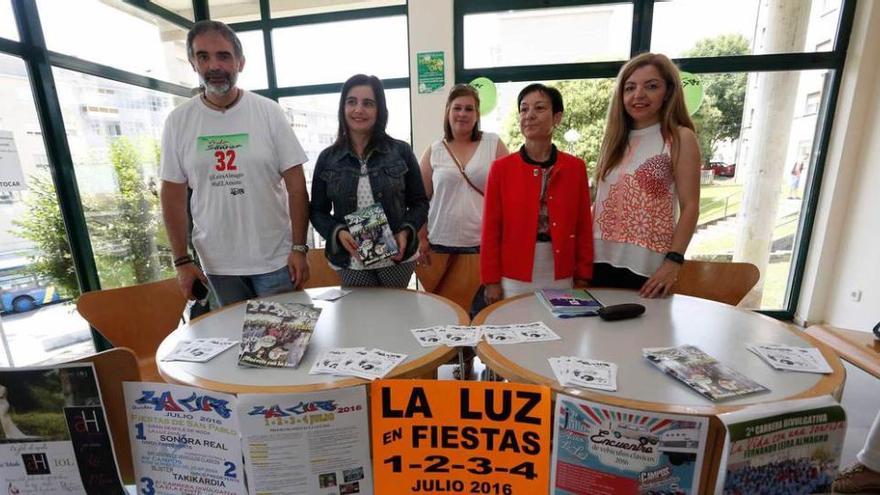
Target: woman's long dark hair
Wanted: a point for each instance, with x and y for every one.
(379, 135)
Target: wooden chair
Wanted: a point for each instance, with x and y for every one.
(112, 368)
(455, 277)
(725, 282)
(138, 317)
(320, 273)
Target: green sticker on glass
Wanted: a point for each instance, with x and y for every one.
(488, 94)
(693, 92)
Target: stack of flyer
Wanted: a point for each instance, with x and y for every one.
(451, 335)
(589, 373)
(368, 364)
(789, 358)
(199, 350)
(454, 335)
(569, 302)
(276, 334)
(369, 227)
(702, 372)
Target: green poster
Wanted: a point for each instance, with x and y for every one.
(431, 67)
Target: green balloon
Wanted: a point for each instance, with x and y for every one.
(488, 94)
(693, 92)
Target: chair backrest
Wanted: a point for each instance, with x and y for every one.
(725, 282)
(138, 317)
(320, 273)
(455, 277)
(112, 368)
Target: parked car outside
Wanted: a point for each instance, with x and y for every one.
(721, 169)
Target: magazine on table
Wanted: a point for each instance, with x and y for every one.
(702, 372)
(199, 350)
(581, 372)
(791, 358)
(569, 302)
(276, 334)
(370, 229)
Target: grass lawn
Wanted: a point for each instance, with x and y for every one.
(714, 198)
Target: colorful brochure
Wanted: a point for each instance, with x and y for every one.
(370, 229)
(569, 302)
(276, 334)
(605, 449)
(702, 372)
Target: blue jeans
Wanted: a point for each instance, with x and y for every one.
(231, 289)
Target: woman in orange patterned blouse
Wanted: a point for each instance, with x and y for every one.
(648, 181)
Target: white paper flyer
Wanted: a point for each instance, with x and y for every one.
(184, 440)
(307, 443)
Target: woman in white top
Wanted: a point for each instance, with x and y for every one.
(649, 167)
(454, 171)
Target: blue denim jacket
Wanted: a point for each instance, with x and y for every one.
(396, 182)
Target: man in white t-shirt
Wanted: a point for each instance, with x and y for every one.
(238, 154)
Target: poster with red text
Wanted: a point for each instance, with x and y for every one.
(604, 449)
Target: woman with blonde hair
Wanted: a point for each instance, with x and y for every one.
(648, 180)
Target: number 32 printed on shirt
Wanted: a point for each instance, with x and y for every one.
(225, 160)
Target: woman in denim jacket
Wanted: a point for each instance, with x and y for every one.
(363, 167)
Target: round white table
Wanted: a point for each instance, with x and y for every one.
(718, 329)
(367, 317)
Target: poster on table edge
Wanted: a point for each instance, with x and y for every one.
(434, 436)
(55, 436)
(183, 440)
(311, 442)
(799, 441)
(604, 449)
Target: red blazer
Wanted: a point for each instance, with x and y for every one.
(510, 219)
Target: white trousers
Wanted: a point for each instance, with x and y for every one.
(542, 275)
(870, 454)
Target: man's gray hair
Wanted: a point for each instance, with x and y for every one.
(203, 27)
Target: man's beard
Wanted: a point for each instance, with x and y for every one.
(217, 89)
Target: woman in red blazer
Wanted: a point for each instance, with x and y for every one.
(537, 230)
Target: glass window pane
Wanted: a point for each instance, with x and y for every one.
(314, 121)
(8, 29)
(150, 47)
(586, 106)
(700, 28)
(182, 8)
(230, 11)
(254, 74)
(115, 131)
(743, 165)
(757, 153)
(37, 279)
(287, 8)
(548, 36)
(381, 51)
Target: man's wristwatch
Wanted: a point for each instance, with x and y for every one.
(674, 257)
(302, 248)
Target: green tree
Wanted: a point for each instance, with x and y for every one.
(44, 227)
(135, 221)
(586, 106)
(720, 115)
